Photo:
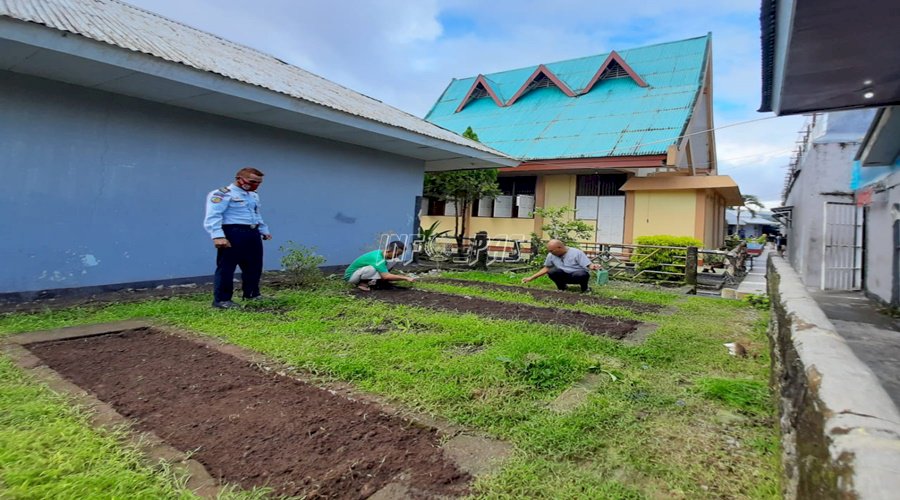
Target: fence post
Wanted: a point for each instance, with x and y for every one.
(481, 250)
(690, 268)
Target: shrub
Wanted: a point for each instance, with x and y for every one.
(760, 302)
(662, 259)
(301, 264)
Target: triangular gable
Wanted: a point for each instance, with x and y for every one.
(542, 72)
(478, 87)
(613, 67)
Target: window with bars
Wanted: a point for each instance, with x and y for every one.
(539, 83)
(600, 185)
(479, 92)
(614, 70)
(516, 199)
(435, 206)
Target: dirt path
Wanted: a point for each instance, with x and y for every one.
(554, 296)
(589, 323)
(253, 428)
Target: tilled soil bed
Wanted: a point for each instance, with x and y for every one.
(555, 296)
(255, 428)
(589, 323)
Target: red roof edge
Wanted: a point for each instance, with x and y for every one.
(483, 82)
(549, 74)
(613, 56)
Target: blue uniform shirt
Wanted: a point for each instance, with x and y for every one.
(232, 205)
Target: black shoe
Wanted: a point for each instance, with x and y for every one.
(258, 297)
(226, 304)
(586, 289)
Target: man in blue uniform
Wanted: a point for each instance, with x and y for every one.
(236, 227)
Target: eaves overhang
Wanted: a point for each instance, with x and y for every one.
(32, 49)
(827, 55)
(881, 146)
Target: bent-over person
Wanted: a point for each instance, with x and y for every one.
(565, 266)
(369, 268)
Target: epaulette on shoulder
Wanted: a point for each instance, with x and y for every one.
(225, 189)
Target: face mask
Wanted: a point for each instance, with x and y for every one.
(246, 186)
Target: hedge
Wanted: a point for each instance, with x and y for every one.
(659, 260)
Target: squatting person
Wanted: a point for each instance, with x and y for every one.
(368, 268)
(234, 222)
(565, 266)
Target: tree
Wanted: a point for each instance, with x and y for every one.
(748, 199)
(463, 188)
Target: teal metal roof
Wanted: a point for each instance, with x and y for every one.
(616, 117)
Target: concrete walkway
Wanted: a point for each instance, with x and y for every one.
(754, 283)
(873, 336)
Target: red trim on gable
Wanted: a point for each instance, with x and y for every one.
(613, 56)
(481, 80)
(645, 161)
(549, 74)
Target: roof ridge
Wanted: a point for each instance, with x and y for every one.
(598, 55)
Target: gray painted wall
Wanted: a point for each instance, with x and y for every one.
(825, 168)
(102, 188)
(881, 249)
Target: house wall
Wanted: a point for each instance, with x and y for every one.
(882, 219)
(559, 191)
(713, 235)
(110, 189)
(664, 212)
(495, 227)
(825, 173)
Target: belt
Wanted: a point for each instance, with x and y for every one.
(240, 226)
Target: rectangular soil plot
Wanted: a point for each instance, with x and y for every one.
(589, 323)
(555, 296)
(255, 428)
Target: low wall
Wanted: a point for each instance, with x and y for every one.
(840, 429)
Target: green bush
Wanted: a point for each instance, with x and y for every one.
(656, 259)
(301, 264)
(732, 241)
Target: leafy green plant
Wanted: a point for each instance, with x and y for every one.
(560, 224)
(732, 241)
(301, 264)
(462, 187)
(539, 371)
(760, 302)
(666, 260)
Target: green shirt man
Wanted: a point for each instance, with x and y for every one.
(370, 267)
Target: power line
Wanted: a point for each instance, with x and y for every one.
(670, 139)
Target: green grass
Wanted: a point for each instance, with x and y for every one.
(648, 431)
(47, 450)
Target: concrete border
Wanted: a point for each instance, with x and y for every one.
(102, 415)
(840, 429)
(473, 453)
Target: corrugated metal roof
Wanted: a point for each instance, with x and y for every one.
(616, 118)
(129, 27)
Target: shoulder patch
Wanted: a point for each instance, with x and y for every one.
(216, 199)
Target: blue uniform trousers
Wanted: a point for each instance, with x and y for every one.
(562, 278)
(247, 252)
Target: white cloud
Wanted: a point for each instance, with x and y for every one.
(399, 52)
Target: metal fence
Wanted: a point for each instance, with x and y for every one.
(642, 263)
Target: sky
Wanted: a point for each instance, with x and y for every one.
(405, 52)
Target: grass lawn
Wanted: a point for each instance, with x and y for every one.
(675, 416)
